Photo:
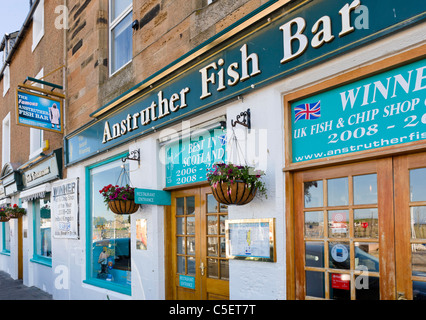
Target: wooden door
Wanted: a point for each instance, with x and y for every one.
(410, 226)
(344, 235)
(198, 262)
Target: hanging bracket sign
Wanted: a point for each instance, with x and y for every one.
(38, 110)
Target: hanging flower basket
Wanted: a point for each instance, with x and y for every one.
(237, 193)
(123, 206)
(15, 212)
(235, 185)
(120, 200)
(4, 217)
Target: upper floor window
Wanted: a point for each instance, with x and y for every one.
(38, 24)
(6, 140)
(120, 33)
(6, 80)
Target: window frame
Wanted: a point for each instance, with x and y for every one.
(38, 33)
(89, 279)
(5, 251)
(47, 261)
(111, 26)
(6, 147)
(6, 80)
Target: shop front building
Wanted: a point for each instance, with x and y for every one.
(321, 97)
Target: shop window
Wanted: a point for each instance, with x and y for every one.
(42, 231)
(5, 238)
(120, 33)
(108, 247)
(38, 24)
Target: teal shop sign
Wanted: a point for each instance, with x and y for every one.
(187, 282)
(387, 109)
(297, 36)
(188, 159)
(155, 197)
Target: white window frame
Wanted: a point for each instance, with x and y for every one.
(6, 80)
(38, 25)
(112, 25)
(5, 152)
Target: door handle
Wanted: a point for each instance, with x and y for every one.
(202, 268)
(401, 296)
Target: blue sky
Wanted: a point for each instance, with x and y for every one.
(12, 15)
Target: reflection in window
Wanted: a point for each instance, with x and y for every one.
(314, 224)
(365, 189)
(417, 184)
(419, 290)
(338, 223)
(43, 240)
(338, 192)
(315, 284)
(313, 194)
(366, 223)
(367, 256)
(121, 34)
(418, 221)
(110, 233)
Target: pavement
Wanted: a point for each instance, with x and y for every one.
(11, 289)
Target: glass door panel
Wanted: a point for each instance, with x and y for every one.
(340, 215)
(410, 217)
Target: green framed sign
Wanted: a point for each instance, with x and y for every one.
(387, 109)
(188, 159)
(155, 197)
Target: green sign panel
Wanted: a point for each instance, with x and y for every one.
(188, 159)
(305, 34)
(187, 281)
(155, 197)
(387, 109)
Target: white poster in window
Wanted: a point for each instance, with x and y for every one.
(65, 209)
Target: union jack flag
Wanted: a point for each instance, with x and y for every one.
(307, 111)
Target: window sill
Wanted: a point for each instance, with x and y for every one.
(42, 260)
(109, 286)
(121, 68)
(5, 253)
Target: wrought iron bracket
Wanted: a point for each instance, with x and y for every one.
(134, 155)
(246, 121)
